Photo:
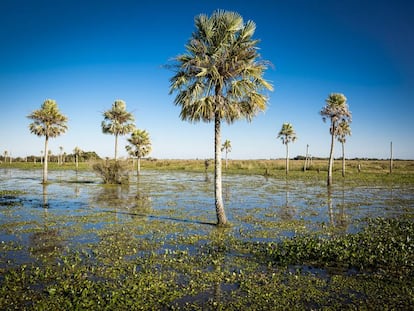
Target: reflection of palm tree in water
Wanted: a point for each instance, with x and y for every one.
(142, 199)
(44, 196)
(330, 208)
(287, 212)
(120, 197)
(339, 220)
(45, 242)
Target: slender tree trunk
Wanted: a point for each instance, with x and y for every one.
(77, 161)
(331, 159)
(45, 160)
(287, 158)
(138, 166)
(343, 159)
(221, 215)
(391, 158)
(116, 146)
(226, 159)
(306, 158)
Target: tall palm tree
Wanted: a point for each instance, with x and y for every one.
(343, 130)
(227, 148)
(336, 110)
(287, 134)
(139, 146)
(117, 121)
(48, 121)
(220, 77)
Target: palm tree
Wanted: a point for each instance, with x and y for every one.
(287, 134)
(336, 109)
(77, 152)
(61, 155)
(117, 121)
(140, 146)
(227, 148)
(48, 122)
(220, 77)
(343, 130)
(5, 156)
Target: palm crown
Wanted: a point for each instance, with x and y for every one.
(343, 130)
(287, 133)
(140, 144)
(48, 121)
(117, 120)
(336, 109)
(220, 75)
(226, 146)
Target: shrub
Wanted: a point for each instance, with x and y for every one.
(112, 172)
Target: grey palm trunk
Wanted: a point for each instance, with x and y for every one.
(116, 146)
(138, 166)
(331, 159)
(287, 158)
(46, 159)
(221, 215)
(343, 159)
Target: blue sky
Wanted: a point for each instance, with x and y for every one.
(86, 54)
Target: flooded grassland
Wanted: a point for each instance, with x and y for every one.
(76, 243)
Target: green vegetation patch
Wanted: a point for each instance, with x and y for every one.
(385, 245)
(142, 265)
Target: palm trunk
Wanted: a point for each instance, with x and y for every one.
(221, 215)
(343, 159)
(226, 159)
(77, 161)
(287, 158)
(331, 159)
(45, 160)
(138, 166)
(116, 146)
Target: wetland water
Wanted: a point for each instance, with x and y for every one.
(77, 244)
(182, 204)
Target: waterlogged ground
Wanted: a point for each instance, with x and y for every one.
(87, 243)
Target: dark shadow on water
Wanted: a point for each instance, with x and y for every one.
(162, 218)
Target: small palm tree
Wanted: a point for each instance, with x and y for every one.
(220, 77)
(227, 148)
(287, 134)
(48, 122)
(61, 155)
(139, 146)
(336, 110)
(117, 121)
(6, 153)
(343, 130)
(77, 152)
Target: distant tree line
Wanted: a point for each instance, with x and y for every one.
(70, 158)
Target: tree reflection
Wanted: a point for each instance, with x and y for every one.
(46, 242)
(45, 202)
(339, 219)
(124, 198)
(287, 212)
